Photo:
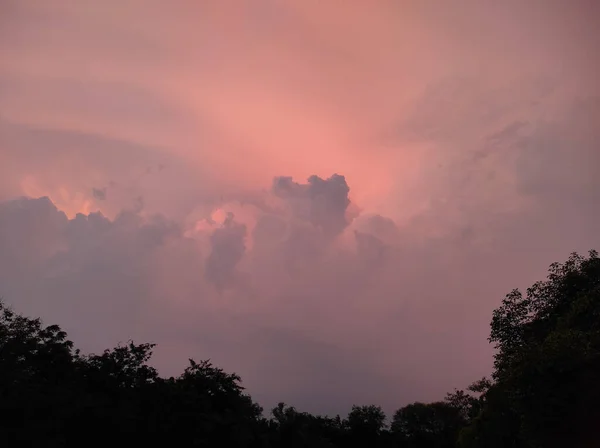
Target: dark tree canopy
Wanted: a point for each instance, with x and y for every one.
(543, 391)
(547, 367)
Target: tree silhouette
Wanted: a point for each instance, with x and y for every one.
(36, 375)
(547, 368)
(433, 425)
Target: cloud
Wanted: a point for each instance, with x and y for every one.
(114, 278)
(138, 197)
(39, 157)
(126, 277)
(323, 202)
(99, 193)
(360, 289)
(227, 249)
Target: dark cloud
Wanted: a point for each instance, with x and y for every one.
(382, 227)
(89, 266)
(371, 250)
(99, 193)
(31, 232)
(322, 202)
(139, 277)
(227, 249)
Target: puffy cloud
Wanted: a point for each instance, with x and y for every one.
(286, 281)
(322, 202)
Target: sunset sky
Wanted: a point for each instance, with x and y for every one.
(328, 198)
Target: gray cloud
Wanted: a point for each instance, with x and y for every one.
(102, 280)
(323, 202)
(99, 193)
(89, 266)
(295, 290)
(371, 250)
(227, 249)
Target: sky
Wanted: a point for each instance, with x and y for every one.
(327, 198)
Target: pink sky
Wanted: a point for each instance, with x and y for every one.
(467, 132)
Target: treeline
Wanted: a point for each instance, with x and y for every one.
(544, 390)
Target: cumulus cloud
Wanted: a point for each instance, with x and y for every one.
(322, 202)
(365, 294)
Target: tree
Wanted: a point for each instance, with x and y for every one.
(495, 425)
(36, 374)
(365, 424)
(292, 428)
(51, 395)
(547, 366)
(428, 425)
(466, 405)
(205, 406)
(122, 367)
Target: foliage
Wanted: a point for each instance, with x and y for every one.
(432, 425)
(547, 366)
